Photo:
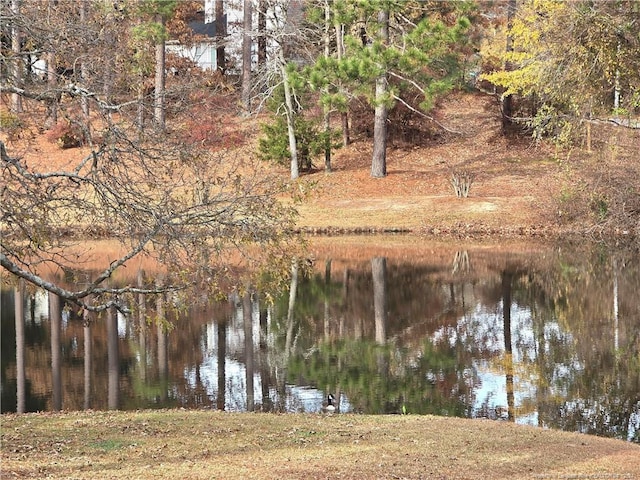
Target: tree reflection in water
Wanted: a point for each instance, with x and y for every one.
(547, 338)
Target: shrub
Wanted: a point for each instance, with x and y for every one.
(311, 140)
(274, 145)
(66, 134)
(11, 124)
(461, 182)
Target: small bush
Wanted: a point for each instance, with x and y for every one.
(599, 205)
(9, 120)
(571, 204)
(11, 124)
(461, 182)
(274, 145)
(66, 135)
(310, 141)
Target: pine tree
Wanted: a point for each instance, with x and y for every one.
(391, 47)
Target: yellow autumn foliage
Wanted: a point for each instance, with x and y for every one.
(573, 57)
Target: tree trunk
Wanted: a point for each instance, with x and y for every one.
(141, 100)
(327, 288)
(379, 160)
(163, 362)
(616, 84)
(221, 32)
(246, 57)
(327, 110)
(293, 146)
(16, 99)
(158, 104)
(616, 309)
(113, 360)
(21, 377)
(221, 328)
(52, 81)
(88, 352)
(52, 105)
(84, 74)
(378, 265)
(163, 337)
(142, 329)
(344, 116)
(262, 33)
(507, 100)
(507, 278)
(109, 64)
(293, 292)
(247, 323)
(265, 373)
(55, 317)
(281, 375)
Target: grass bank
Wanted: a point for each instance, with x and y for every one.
(206, 445)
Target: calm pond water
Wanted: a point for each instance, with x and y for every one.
(535, 335)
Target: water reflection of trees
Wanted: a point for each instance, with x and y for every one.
(598, 373)
(569, 356)
(559, 333)
(386, 379)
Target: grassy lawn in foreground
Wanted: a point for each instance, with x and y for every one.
(205, 444)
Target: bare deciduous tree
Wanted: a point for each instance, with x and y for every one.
(182, 207)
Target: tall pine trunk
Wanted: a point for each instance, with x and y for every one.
(221, 32)
(246, 57)
(327, 110)
(379, 160)
(262, 33)
(158, 104)
(344, 116)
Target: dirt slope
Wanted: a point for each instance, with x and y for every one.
(512, 191)
(517, 186)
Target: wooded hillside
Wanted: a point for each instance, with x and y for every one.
(457, 103)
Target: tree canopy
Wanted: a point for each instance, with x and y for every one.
(575, 60)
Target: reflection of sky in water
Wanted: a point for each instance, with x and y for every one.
(492, 392)
(298, 398)
(479, 332)
(485, 328)
(122, 325)
(41, 306)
